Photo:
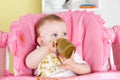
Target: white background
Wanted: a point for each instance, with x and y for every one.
(110, 12)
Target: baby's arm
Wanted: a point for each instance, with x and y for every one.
(35, 57)
(75, 66)
(80, 68)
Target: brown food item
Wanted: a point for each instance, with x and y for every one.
(65, 48)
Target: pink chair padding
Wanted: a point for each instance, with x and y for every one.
(21, 42)
(93, 76)
(3, 39)
(84, 29)
(116, 46)
(91, 39)
(2, 61)
(3, 43)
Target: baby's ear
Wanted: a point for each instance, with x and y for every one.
(40, 41)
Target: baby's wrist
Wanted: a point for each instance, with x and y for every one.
(72, 65)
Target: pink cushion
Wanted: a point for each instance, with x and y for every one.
(84, 29)
(3, 43)
(92, 39)
(2, 61)
(21, 42)
(116, 46)
(3, 39)
(93, 76)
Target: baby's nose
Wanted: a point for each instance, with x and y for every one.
(60, 36)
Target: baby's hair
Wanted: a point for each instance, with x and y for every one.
(66, 1)
(43, 20)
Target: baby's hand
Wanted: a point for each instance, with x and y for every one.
(52, 46)
(67, 63)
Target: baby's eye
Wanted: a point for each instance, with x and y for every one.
(64, 33)
(55, 35)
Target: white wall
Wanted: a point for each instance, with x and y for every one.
(93, 1)
(110, 12)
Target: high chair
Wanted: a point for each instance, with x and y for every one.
(85, 30)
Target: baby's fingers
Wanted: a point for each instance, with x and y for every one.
(62, 66)
(54, 43)
(61, 59)
(52, 46)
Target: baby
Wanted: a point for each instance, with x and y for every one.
(45, 59)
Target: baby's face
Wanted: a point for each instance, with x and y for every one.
(51, 31)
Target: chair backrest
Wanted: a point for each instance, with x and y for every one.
(3, 42)
(21, 42)
(85, 30)
(2, 61)
(116, 46)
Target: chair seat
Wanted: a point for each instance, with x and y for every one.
(114, 75)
